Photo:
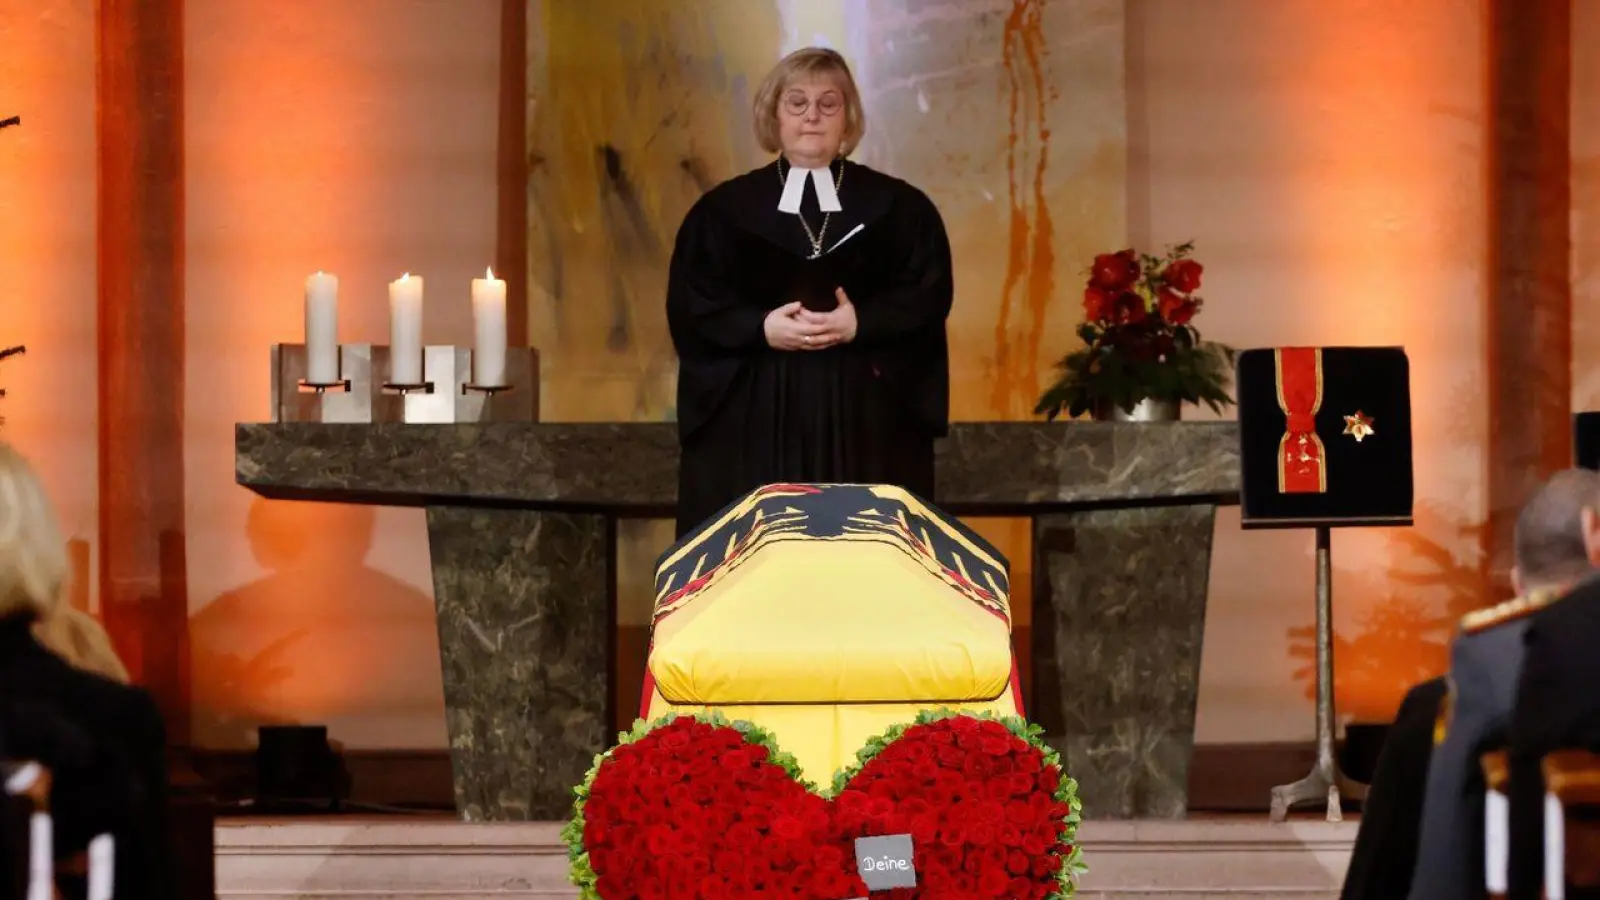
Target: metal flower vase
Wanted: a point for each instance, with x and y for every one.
(1149, 409)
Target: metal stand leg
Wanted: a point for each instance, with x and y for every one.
(1325, 780)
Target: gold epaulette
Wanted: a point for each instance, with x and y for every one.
(1447, 706)
(1509, 611)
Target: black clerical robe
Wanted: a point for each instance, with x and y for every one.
(863, 412)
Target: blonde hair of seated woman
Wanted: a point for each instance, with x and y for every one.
(34, 569)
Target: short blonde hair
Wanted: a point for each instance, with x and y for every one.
(801, 65)
(33, 554)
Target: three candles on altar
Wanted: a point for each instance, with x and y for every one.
(405, 330)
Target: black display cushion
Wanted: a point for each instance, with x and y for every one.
(1586, 439)
(1369, 482)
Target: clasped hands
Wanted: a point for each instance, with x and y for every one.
(793, 327)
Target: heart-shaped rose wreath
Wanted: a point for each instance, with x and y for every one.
(703, 809)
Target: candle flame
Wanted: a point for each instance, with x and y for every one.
(405, 277)
(489, 272)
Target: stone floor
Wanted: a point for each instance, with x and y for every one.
(401, 858)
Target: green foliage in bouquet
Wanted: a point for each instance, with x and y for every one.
(1139, 339)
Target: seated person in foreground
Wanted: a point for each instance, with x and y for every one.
(1486, 659)
(36, 628)
(828, 613)
(1385, 852)
(1557, 708)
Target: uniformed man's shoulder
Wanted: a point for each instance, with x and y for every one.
(1514, 610)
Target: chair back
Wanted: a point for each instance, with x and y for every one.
(31, 870)
(15, 810)
(1496, 767)
(1572, 821)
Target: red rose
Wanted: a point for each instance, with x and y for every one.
(1096, 304)
(1115, 271)
(1175, 307)
(993, 884)
(788, 827)
(1030, 762)
(981, 833)
(1048, 864)
(1183, 275)
(1128, 308)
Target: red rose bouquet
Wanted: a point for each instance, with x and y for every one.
(988, 806)
(701, 804)
(1140, 340)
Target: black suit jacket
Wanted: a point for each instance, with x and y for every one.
(127, 775)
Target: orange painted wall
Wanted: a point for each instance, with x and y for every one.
(47, 257)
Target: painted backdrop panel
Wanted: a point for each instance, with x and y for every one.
(1009, 113)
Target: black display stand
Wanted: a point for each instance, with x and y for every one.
(1325, 443)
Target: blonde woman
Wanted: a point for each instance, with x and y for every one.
(807, 302)
(56, 662)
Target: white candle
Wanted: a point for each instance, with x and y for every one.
(322, 328)
(489, 331)
(405, 330)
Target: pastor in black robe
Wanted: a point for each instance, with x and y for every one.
(864, 412)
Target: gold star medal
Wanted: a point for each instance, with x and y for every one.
(1359, 426)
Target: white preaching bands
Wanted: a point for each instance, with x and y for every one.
(794, 188)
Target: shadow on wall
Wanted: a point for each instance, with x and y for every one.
(1409, 615)
(322, 638)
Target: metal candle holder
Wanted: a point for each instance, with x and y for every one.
(364, 393)
(1325, 780)
(295, 399)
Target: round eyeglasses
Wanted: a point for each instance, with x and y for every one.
(800, 104)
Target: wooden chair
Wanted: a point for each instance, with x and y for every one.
(1496, 823)
(1572, 817)
(87, 873)
(14, 862)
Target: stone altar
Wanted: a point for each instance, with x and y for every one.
(521, 529)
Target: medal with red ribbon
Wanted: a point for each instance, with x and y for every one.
(1302, 464)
